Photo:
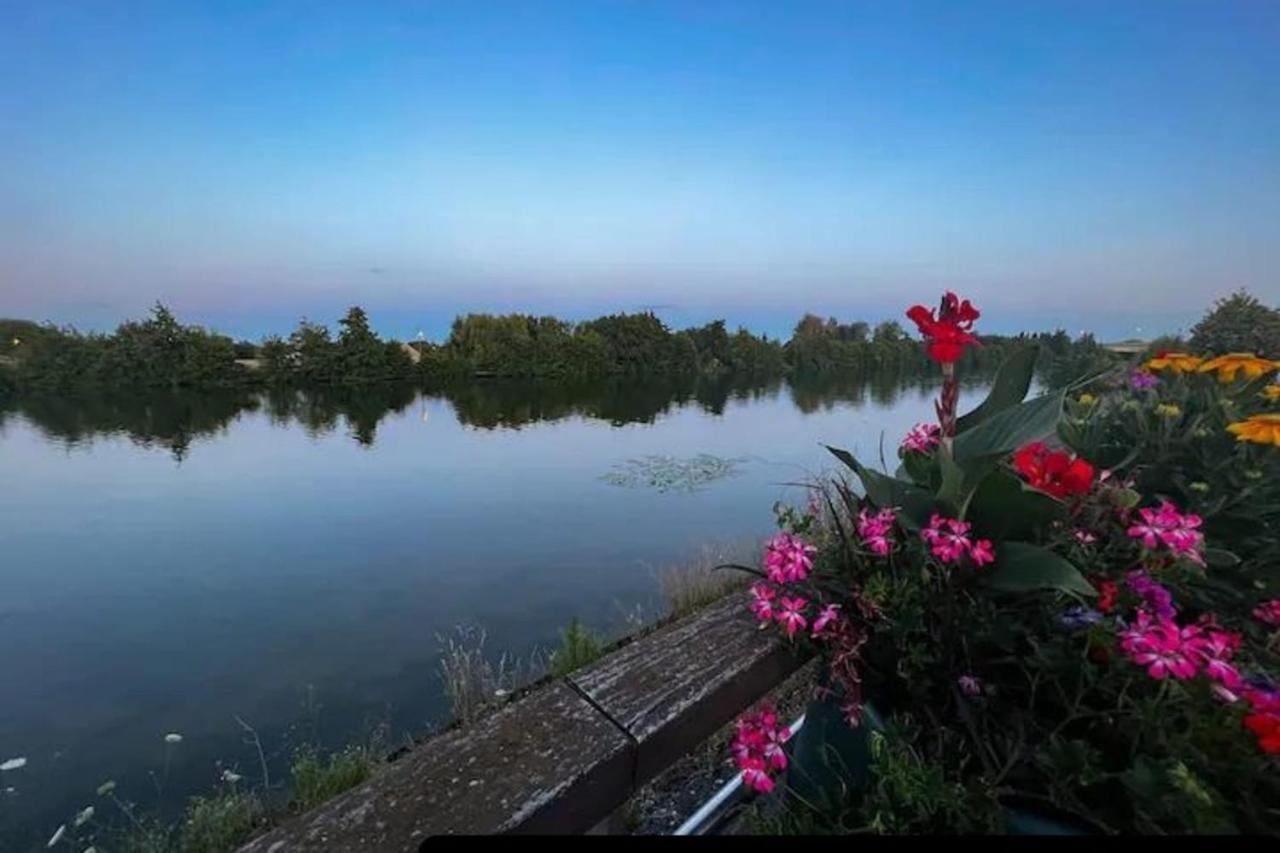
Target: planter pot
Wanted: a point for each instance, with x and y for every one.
(831, 761)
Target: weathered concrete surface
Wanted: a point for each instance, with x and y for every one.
(547, 763)
(672, 689)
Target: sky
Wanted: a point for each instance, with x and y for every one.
(1110, 166)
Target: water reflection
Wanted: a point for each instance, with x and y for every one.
(176, 421)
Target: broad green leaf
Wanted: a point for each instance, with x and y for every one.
(1021, 567)
(953, 490)
(921, 468)
(1013, 380)
(1008, 430)
(1002, 507)
(1220, 558)
(884, 491)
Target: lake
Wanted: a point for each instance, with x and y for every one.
(170, 563)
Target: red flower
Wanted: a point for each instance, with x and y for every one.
(1107, 600)
(948, 331)
(1053, 471)
(1267, 729)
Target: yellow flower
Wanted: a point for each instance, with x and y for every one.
(1168, 410)
(1229, 366)
(1260, 429)
(1272, 391)
(1178, 362)
(1086, 399)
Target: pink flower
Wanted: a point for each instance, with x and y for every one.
(876, 530)
(757, 749)
(1214, 650)
(791, 614)
(1162, 647)
(1268, 612)
(1166, 526)
(788, 558)
(969, 685)
(826, 616)
(922, 438)
(762, 601)
(949, 541)
(1084, 537)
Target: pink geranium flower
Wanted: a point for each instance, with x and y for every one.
(1268, 612)
(876, 530)
(788, 558)
(825, 617)
(758, 749)
(982, 553)
(1170, 528)
(1162, 647)
(762, 601)
(949, 541)
(1214, 651)
(922, 438)
(791, 614)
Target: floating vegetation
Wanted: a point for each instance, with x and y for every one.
(669, 474)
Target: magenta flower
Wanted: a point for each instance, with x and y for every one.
(876, 530)
(969, 685)
(757, 749)
(949, 541)
(762, 597)
(826, 616)
(982, 553)
(1162, 647)
(1214, 651)
(791, 614)
(1170, 528)
(788, 558)
(922, 438)
(1268, 612)
(1155, 597)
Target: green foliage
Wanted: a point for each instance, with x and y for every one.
(219, 823)
(1239, 323)
(579, 646)
(316, 780)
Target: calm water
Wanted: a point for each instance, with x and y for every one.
(169, 563)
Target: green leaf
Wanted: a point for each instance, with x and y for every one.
(920, 467)
(1008, 430)
(952, 491)
(1220, 558)
(1010, 387)
(916, 504)
(1002, 507)
(1021, 567)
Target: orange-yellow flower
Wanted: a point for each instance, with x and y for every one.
(1178, 362)
(1230, 365)
(1272, 391)
(1260, 429)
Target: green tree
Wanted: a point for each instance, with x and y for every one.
(1238, 323)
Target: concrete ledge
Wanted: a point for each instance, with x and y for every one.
(562, 758)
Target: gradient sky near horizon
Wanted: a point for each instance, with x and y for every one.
(1110, 166)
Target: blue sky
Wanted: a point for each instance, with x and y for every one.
(1107, 165)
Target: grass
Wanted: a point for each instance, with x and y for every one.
(696, 583)
(474, 684)
(220, 823)
(316, 780)
(579, 646)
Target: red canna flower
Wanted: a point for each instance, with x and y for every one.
(1053, 471)
(948, 330)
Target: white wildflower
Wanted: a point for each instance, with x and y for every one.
(228, 776)
(57, 836)
(173, 737)
(13, 763)
(83, 815)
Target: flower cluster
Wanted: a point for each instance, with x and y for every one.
(757, 749)
(876, 530)
(948, 331)
(1264, 722)
(1233, 363)
(1155, 597)
(1174, 362)
(949, 541)
(1166, 527)
(922, 438)
(1167, 649)
(1141, 380)
(788, 558)
(1053, 472)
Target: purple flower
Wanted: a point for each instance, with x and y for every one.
(969, 685)
(1155, 596)
(1076, 618)
(1141, 380)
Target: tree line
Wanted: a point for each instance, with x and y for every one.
(160, 352)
